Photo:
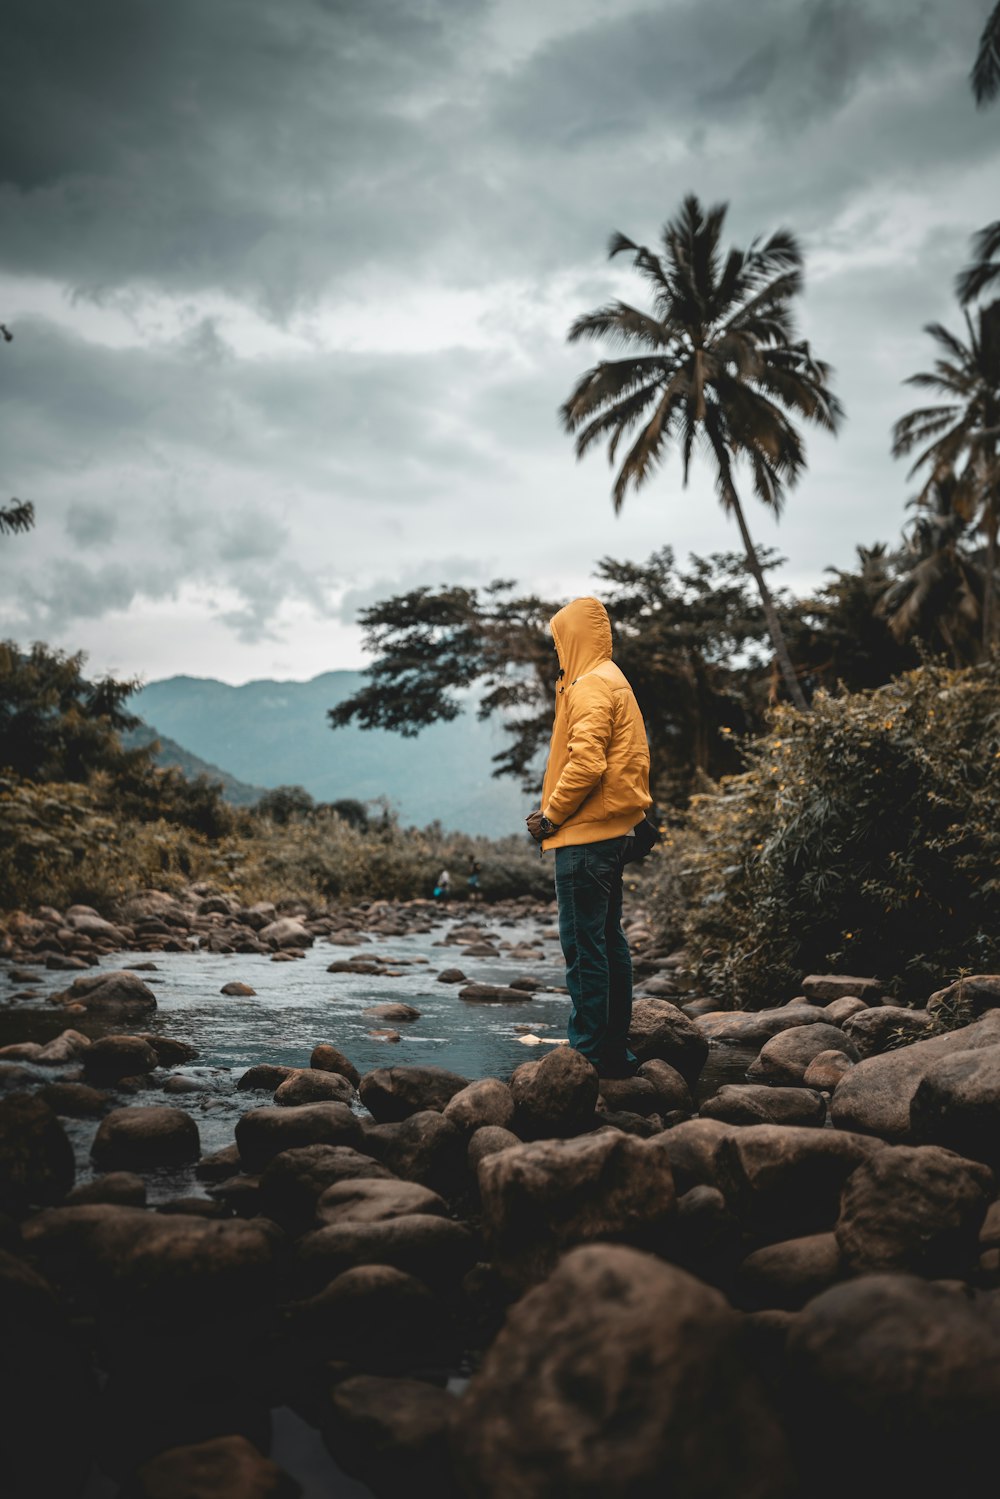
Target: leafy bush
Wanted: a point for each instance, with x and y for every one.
(864, 837)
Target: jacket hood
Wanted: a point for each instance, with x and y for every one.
(582, 633)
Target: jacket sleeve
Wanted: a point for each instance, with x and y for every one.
(589, 725)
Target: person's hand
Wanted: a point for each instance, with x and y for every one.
(534, 822)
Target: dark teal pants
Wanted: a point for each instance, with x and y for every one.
(598, 961)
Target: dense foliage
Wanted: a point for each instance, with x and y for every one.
(863, 837)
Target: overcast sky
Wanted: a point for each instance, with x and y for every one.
(289, 282)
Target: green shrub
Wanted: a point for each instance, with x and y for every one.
(864, 838)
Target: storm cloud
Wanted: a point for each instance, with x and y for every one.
(290, 284)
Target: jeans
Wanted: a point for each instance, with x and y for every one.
(598, 961)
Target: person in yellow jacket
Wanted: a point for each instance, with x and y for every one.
(595, 791)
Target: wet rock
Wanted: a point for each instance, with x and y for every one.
(826, 1069)
(110, 1058)
(908, 1374)
(783, 1060)
(436, 1250)
(393, 1434)
(179, 1083)
(966, 999)
(385, 1035)
(425, 1148)
(311, 1085)
(915, 1209)
(393, 1093)
(481, 1104)
(887, 1027)
(121, 994)
(672, 1092)
(124, 1188)
(823, 988)
(957, 1104)
(596, 1385)
(226, 1467)
(630, 1095)
(262, 1134)
(169, 1052)
(788, 1274)
(292, 1182)
(62, 1049)
(737, 1103)
(236, 988)
(135, 1138)
(660, 1030)
(875, 1096)
(755, 1027)
(375, 1200)
(396, 1014)
(839, 1010)
(555, 1096)
(36, 1158)
(542, 1198)
(452, 976)
(691, 1148)
(703, 1236)
(65, 962)
(376, 1318)
(75, 1100)
(327, 1058)
(784, 1181)
(265, 1077)
(286, 933)
(487, 1141)
(218, 1165)
(493, 994)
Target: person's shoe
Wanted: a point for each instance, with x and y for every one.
(617, 1069)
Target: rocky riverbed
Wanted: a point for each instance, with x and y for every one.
(251, 1244)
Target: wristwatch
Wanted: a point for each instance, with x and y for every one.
(545, 827)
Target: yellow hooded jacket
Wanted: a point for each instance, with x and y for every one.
(597, 778)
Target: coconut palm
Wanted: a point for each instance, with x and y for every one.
(984, 268)
(937, 594)
(716, 362)
(962, 433)
(985, 76)
(19, 515)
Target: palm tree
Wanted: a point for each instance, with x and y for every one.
(17, 516)
(985, 266)
(715, 362)
(937, 594)
(985, 75)
(963, 431)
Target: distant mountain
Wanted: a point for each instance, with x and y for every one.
(270, 734)
(238, 793)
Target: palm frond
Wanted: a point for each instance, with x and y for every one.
(985, 75)
(19, 515)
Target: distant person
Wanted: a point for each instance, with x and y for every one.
(443, 885)
(472, 883)
(595, 791)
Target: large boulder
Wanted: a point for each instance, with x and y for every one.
(966, 999)
(313, 1085)
(915, 1209)
(786, 1275)
(886, 1027)
(825, 1070)
(784, 1181)
(620, 1375)
(907, 1373)
(691, 1148)
(659, 1029)
(327, 1058)
(286, 932)
(425, 1148)
(672, 1091)
(555, 1096)
(262, 1134)
(783, 1060)
(541, 1198)
(226, 1467)
(120, 993)
(36, 1158)
(823, 988)
(436, 1250)
(481, 1104)
(393, 1093)
(875, 1096)
(376, 1200)
(293, 1181)
(393, 1434)
(957, 1104)
(375, 1318)
(754, 1027)
(110, 1058)
(133, 1139)
(756, 1103)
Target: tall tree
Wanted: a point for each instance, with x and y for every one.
(984, 268)
(961, 435)
(716, 361)
(985, 76)
(937, 593)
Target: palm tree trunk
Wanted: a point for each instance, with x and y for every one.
(990, 590)
(770, 613)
